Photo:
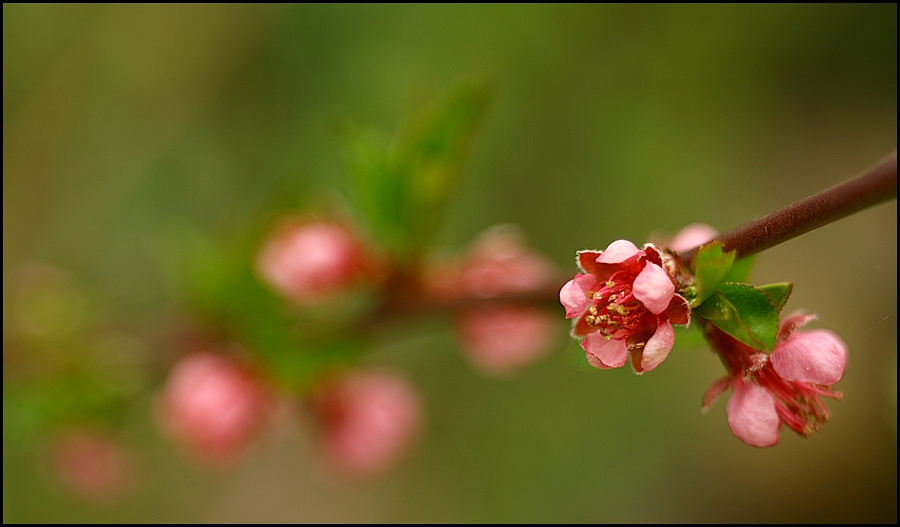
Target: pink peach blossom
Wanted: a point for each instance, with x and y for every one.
(213, 406)
(369, 421)
(312, 261)
(624, 304)
(783, 388)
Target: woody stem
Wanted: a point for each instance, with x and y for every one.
(876, 185)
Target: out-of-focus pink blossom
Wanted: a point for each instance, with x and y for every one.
(213, 406)
(691, 236)
(312, 261)
(783, 388)
(92, 465)
(369, 421)
(624, 303)
(501, 339)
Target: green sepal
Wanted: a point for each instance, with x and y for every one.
(745, 312)
(740, 270)
(712, 266)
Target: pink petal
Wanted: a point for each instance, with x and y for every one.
(692, 236)
(792, 323)
(617, 252)
(573, 295)
(817, 357)
(604, 354)
(751, 414)
(653, 288)
(658, 347)
(715, 390)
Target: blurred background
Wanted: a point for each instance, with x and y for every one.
(123, 123)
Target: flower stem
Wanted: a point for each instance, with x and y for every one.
(876, 185)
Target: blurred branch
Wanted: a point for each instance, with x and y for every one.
(876, 185)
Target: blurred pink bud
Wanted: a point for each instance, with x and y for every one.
(92, 465)
(497, 262)
(213, 406)
(368, 422)
(691, 236)
(499, 340)
(310, 262)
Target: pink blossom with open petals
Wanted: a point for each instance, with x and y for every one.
(312, 261)
(784, 388)
(213, 406)
(624, 304)
(369, 421)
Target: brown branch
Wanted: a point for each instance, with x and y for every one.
(876, 185)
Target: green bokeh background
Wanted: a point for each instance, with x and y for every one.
(122, 122)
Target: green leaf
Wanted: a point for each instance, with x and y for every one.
(745, 312)
(778, 293)
(711, 266)
(740, 270)
(402, 186)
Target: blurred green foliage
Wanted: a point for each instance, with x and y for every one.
(139, 138)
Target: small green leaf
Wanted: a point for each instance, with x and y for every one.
(745, 312)
(711, 267)
(778, 293)
(740, 270)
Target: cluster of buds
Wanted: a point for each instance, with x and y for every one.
(498, 338)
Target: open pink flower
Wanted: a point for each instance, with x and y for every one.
(312, 261)
(368, 422)
(624, 303)
(783, 388)
(213, 406)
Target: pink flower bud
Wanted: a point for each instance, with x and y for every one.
(499, 340)
(691, 236)
(497, 262)
(310, 262)
(213, 406)
(368, 422)
(92, 465)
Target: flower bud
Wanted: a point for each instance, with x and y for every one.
(213, 406)
(500, 340)
(311, 262)
(368, 422)
(92, 465)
